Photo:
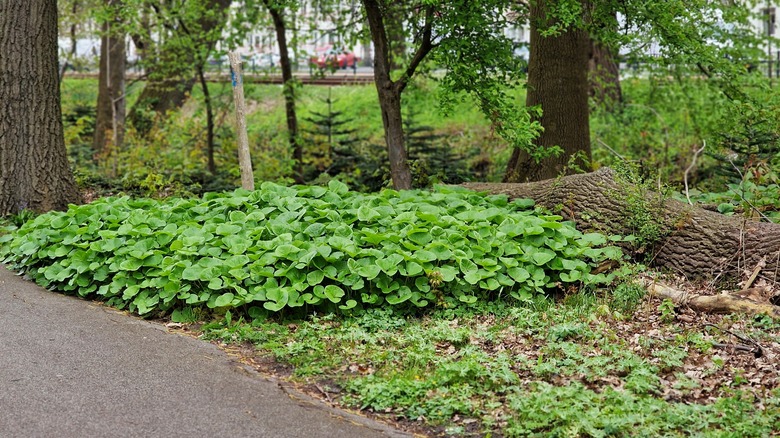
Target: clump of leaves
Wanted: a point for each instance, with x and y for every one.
(307, 246)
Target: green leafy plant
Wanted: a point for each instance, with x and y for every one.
(509, 370)
(293, 247)
(667, 310)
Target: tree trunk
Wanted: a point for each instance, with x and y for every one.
(392, 121)
(34, 172)
(289, 89)
(604, 76)
(558, 82)
(211, 165)
(110, 113)
(697, 244)
(389, 98)
(73, 40)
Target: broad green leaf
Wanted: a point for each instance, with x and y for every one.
(215, 284)
(333, 293)
(367, 214)
(338, 187)
(350, 304)
(413, 268)
(315, 277)
(518, 274)
(419, 236)
(542, 256)
(390, 263)
(369, 271)
(448, 273)
(224, 300)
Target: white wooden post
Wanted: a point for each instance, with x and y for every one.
(244, 160)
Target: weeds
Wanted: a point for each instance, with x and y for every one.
(537, 369)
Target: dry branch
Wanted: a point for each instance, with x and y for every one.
(721, 303)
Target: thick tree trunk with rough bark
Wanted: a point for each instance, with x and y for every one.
(558, 82)
(110, 113)
(698, 244)
(289, 89)
(34, 172)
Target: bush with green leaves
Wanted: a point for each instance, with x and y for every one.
(305, 246)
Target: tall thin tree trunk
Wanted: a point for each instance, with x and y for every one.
(34, 172)
(558, 81)
(73, 41)
(289, 89)
(604, 72)
(110, 114)
(211, 166)
(389, 98)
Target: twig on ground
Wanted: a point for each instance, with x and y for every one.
(325, 393)
(736, 347)
(759, 266)
(759, 351)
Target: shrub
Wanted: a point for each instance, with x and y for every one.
(306, 246)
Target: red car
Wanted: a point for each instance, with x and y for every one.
(335, 59)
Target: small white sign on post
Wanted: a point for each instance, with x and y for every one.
(244, 159)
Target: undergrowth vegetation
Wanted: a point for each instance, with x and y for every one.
(538, 368)
(306, 247)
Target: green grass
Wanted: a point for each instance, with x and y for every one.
(539, 369)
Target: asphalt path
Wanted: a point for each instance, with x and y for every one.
(73, 368)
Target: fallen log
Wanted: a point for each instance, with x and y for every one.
(692, 241)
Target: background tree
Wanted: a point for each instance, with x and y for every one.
(110, 113)
(558, 82)
(464, 38)
(696, 34)
(34, 172)
(188, 32)
(277, 10)
(390, 90)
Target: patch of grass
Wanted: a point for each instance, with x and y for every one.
(533, 369)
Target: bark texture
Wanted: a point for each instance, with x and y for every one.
(698, 243)
(110, 112)
(558, 82)
(34, 172)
